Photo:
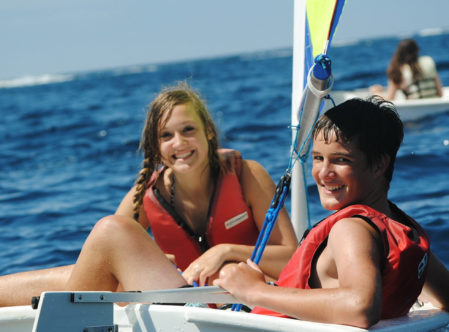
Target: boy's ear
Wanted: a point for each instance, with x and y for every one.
(382, 164)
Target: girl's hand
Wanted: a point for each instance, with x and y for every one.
(205, 266)
(376, 89)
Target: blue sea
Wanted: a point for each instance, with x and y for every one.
(68, 142)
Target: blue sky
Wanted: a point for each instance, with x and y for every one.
(54, 36)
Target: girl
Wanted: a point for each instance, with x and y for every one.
(416, 76)
(205, 208)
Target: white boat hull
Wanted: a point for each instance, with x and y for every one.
(145, 317)
(408, 109)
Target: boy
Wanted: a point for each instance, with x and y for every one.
(369, 260)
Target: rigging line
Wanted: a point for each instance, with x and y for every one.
(283, 185)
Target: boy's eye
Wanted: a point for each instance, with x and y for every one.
(342, 160)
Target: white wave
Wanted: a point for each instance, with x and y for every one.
(432, 32)
(344, 43)
(34, 80)
(266, 54)
(136, 69)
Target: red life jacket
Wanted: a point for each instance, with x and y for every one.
(230, 218)
(405, 245)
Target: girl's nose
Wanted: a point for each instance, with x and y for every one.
(178, 139)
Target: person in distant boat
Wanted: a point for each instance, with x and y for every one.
(367, 261)
(204, 206)
(416, 76)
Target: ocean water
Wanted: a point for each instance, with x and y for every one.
(68, 142)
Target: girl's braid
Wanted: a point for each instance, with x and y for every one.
(144, 176)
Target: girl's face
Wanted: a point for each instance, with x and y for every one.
(342, 174)
(184, 144)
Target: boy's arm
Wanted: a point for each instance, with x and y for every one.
(355, 299)
(436, 287)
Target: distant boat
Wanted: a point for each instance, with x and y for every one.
(408, 109)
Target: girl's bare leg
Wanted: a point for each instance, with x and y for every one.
(117, 252)
(19, 288)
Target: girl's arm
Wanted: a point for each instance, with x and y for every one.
(258, 190)
(439, 86)
(126, 208)
(391, 90)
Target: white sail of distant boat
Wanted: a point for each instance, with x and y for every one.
(97, 311)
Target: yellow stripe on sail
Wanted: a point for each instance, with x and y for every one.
(319, 16)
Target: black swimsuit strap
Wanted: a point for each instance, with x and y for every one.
(201, 239)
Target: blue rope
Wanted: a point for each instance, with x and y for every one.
(270, 220)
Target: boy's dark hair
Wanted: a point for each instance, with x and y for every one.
(373, 124)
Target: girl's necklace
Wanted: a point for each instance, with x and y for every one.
(172, 192)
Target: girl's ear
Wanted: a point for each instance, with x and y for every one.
(210, 134)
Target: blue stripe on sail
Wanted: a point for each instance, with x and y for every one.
(308, 53)
(337, 13)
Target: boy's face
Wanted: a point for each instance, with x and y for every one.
(342, 174)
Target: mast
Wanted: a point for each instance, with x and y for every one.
(299, 205)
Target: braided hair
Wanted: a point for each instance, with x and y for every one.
(161, 108)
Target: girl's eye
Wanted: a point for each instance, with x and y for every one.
(165, 135)
(317, 158)
(189, 129)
